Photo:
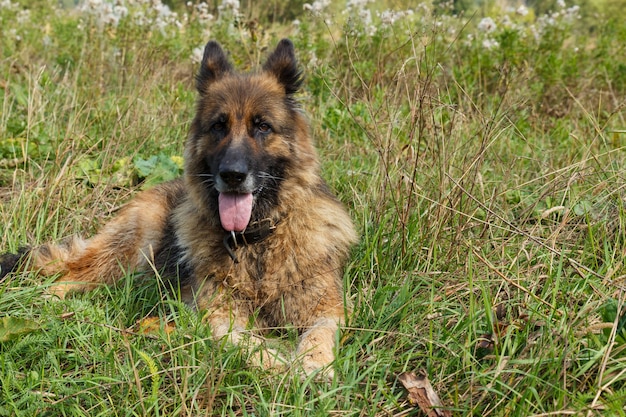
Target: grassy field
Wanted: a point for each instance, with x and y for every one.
(481, 153)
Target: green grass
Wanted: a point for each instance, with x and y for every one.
(487, 186)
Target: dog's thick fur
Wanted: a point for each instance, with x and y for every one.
(250, 165)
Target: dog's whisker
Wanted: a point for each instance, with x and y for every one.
(267, 175)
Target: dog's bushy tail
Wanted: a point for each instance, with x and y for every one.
(47, 260)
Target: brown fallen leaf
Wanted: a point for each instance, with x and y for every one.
(421, 393)
(149, 325)
(486, 341)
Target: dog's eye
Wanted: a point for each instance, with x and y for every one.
(264, 127)
(218, 126)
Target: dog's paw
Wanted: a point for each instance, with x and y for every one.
(268, 359)
(320, 371)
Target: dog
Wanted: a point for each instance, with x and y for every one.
(251, 234)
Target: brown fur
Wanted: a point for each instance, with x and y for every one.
(293, 276)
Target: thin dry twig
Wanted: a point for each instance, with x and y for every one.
(510, 281)
(577, 265)
(605, 358)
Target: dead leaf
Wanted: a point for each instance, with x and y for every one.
(486, 341)
(149, 325)
(421, 393)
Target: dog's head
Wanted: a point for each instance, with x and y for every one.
(248, 138)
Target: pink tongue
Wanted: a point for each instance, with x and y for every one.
(235, 211)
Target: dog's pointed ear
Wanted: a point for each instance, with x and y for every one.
(283, 65)
(214, 66)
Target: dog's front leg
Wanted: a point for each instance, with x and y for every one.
(316, 347)
(232, 325)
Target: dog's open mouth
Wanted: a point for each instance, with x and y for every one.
(235, 211)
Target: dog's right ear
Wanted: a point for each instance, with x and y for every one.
(283, 65)
(214, 66)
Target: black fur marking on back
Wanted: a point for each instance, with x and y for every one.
(168, 255)
(168, 259)
(10, 262)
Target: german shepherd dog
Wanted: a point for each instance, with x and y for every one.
(251, 232)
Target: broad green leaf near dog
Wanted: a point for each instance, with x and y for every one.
(12, 328)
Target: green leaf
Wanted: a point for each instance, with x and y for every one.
(582, 208)
(145, 167)
(89, 170)
(608, 312)
(12, 327)
(124, 173)
(158, 169)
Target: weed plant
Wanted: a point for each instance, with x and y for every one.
(480, 151)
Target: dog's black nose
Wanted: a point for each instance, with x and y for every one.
(233, 170)
(233, 178)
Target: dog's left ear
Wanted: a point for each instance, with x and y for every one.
(283, 65)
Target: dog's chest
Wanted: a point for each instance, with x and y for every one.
(261, 272)
(257, 275)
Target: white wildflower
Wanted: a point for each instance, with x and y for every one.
(120, 11)
(361, 14)
(317, 7)
(23, 16)
(489, 43)
(366, 16)
(105, 12)
(197, 54)
(522, 10)
(203, 13)
(93, 4)
(140, 18)
(13, 34)
(535, 32)
(572, 13)
(389, 17)
(231, 6)
(163, 10)
(544, 22)
(357, 4)
(487, 25)
(423, 8)
(506, 21)
(560, 3)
